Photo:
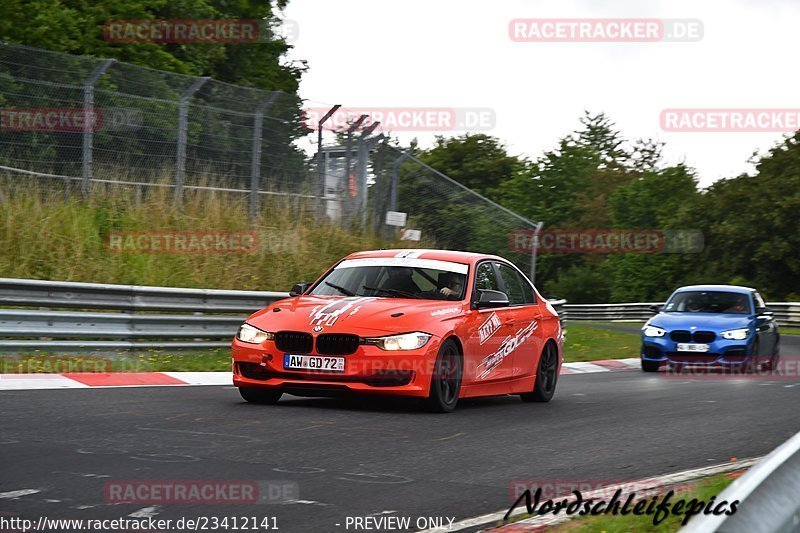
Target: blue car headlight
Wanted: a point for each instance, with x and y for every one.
(736, 334)
(653, 331)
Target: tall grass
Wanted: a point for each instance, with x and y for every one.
(47, 234)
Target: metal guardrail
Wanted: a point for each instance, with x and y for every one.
(786, 313)
(136, 323)
(63, 294)
(768, 496)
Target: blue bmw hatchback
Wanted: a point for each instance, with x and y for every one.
(712, 325)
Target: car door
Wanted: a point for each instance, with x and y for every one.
(486, 348)
(523, 316)
(766, 328)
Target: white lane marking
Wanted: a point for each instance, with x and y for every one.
(302, 502)
(203, 378)
(17, 493)
(145, 512)
(586, 368)
(38, 381)
(654, 482)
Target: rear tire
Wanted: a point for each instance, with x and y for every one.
(446, 379)
(262, 396)
(650, 366)
(546, 376)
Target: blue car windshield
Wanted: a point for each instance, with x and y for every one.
(708, 302)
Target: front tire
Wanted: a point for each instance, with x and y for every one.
(546, 376)
(261, 396)
(650, 366)
(446, 379)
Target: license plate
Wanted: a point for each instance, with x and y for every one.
(693, 347)
(313, 362)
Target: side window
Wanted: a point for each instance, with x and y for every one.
(485, 277)
(759, 301)
(513, 285)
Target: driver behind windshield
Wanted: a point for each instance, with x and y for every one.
(400, 280)
(449, 285)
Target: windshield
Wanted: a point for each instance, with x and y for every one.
(708, 302)
(389, 278)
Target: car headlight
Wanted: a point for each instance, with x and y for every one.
(653, 331)
(736, 334)
(406, 341)
(252, 335)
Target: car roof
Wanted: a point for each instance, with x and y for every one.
(440, 255)
(720, 288)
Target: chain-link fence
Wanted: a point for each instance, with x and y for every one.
(86, 121)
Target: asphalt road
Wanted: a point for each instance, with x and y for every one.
(356, 458)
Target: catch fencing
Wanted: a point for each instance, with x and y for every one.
(82, 124)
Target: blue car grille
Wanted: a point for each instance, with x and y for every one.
(682, 335)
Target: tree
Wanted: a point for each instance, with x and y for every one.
(76, 27)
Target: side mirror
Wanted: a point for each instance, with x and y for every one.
(299, 288)
(765, 312)
(490, 298)
(656, 308)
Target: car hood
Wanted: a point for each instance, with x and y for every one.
(362, 316)
(702, 321)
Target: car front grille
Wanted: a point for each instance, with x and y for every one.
(337, 344)
(704, 336)
(295, 342)
(680, 335)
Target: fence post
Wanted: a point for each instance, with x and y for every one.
(90, 121)
(318, 207)
(395, 168)
(535, 250)
(362, 150)
(255, 164)
(183, 119)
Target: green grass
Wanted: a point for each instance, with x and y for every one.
(151, 361)
(790, 331)
(584, 343)
(50, 237)
(703, 490)
(587, 343)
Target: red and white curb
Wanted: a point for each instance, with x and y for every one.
(112, 379)
(165, 379)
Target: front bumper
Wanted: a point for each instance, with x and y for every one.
(722, 352)
(369, 370)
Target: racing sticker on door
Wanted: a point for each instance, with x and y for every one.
(489, 327)
(507, 347)
(327, 315)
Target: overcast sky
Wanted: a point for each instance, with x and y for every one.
(458, 54)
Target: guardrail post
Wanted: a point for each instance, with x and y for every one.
(90, 121)
(183, 119)
(255, 164)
